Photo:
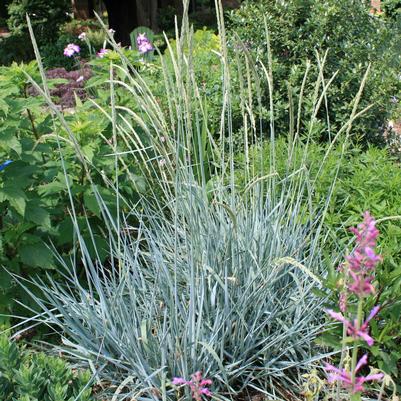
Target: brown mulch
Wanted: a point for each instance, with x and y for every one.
(65, 92)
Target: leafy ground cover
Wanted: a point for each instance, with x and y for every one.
(26, 376)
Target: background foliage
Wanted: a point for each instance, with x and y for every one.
(46, 18)
(354, 39)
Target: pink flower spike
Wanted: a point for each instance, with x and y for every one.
(206, 382)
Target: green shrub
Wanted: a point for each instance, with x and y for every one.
(392, 8)
(30, 376)
(46, 18)
(207, 71)
(15, 47)
(367, 180)
(353, 38)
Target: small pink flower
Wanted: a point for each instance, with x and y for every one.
(71, 49)
(80, 78)
(82, 36)
(178, 381)
(102, 52)
(366, 233)
(342, 303)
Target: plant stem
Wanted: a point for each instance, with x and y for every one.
(343, 348)
(355, 350)
(32, 120)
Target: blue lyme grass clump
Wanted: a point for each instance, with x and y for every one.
(213, 279)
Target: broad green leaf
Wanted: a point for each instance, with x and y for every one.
(51, 188)
(37, 215)
(4, 106)
(37, 255)
(16, 197)
(91, 203)
(9, 140)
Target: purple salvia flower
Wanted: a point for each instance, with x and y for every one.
(71, 49)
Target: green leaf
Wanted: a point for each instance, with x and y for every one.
(16, 197)
(91, 203)
(38, 215)
(9, 140)
(4, 106)
(37, 255)
(51, 188)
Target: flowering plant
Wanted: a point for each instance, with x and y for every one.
(71, 49)
(358, 277)
(143, 43)
(198, 385)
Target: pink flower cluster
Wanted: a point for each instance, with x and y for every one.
(352, 328)
(346, 377)
(359, 274)
(71, 49)
(197, 384)
(143, 43)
